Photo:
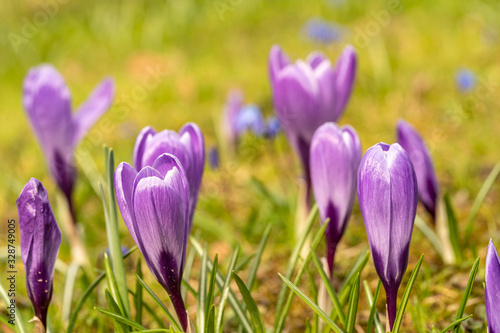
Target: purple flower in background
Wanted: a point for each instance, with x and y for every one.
(335, 157)
(492, 289)
(387, 194)
(309, 93)
(322, 31)
(466, 80)
(232, 108)
(213, 158)
(47, 101)
(412, 142)
(273, 127)
(188, 146)
(250, 119)
(40, 242)
(154, 204)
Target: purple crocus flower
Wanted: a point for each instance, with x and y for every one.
(188, 146)
(47, 101)
(40, 242)
(234, 103)
(154, 203)
(335, 157)
(492, 289)
(387, 194)
(250, 118)
(412, 142)
(309, 93)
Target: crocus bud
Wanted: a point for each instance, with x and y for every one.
(335, 157)
(387, 194)
(309, 93)
(428, 187)
(492, 289)
(40, 242)
(234, 103)
(188, 146)
(47, 101)
(154, 204)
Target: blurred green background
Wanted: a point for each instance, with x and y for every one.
(175, 61)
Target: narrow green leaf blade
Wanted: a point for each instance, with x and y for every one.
(455, 324)
(353, 306)
(453, 229)
(351, 276)
(121, 319)
(202, 290)
(138, 294)
(256, 262)
(258, 323)
(468, 289)
(119, 326)
(211, 285)
(210, 327)
(372, 302)
(225, 289)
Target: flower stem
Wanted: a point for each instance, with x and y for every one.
(179, 307)
(392, 306)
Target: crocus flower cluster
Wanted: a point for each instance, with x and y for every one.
(492, 289)
(428, 187)
(47, 101)
(335, 157)
(40, 242)
(309, 93)
(387, 194)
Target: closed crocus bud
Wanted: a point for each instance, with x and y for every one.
(335, 157)
(40, 242)
(47, 101)
(387, 194)
(492, 289)
(188, 146)
(234, 103)
(154, 203)
(428, 187)
(309, 93)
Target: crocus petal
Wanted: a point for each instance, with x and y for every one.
(387, 193)
(124, 184)
(326, 78)
(40, 242)
(315, 59)
(165, 142)
(345, 71)
(492, 289)
(277, 61)
(140, 145)
(92, 109)
(414, 145)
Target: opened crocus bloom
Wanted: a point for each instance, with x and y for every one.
(492, 289)
(335, 157)
(188, 146)
(47, 101)
(387, 194)
(40, 242)
(308, 94)
(428, 188)
(154, 203)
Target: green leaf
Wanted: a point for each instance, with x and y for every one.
(138, 294)
(210, 327)
(372, 302)
(202, 290)
(406, 296)
(455, 324)
(211, 287)
(356, 269)
(468, 289)
(453, 229)
(113, 234)
(314, 244)
(119, 326)
(256, 262)
(121, 319)
(311, 304)
(431, 236)
(225, 289)
(353, 306)
(294, 257)
(86, 294)
(258, 323)
(69, 287)
(160, 303)
(112, 284)
(329, 288)
(187, 271)
(488, 183)
(19, 319)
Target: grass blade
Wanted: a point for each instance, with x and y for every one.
(112, 284)
(19, 319)
(160, 303)
(468, 289)
(211, 288)
(202, 290)
(353, 306)
(119, 326)
(121, 319)
(69, 287)
(138, 294)
(311, 304)
(225, 289)
(406, 296)
(488, 183)
(456, 323)
(431, 236)
(256, 262)
(453, 229)
(187, 271)
(258, 323)
(351, 276)
(329, 288)
(294, 258)
(210, 327)
(372, 302)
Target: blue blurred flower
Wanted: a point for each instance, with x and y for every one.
(213, 158)
(250, 119)
(322, 31)
(466, 80)
(273, 127)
